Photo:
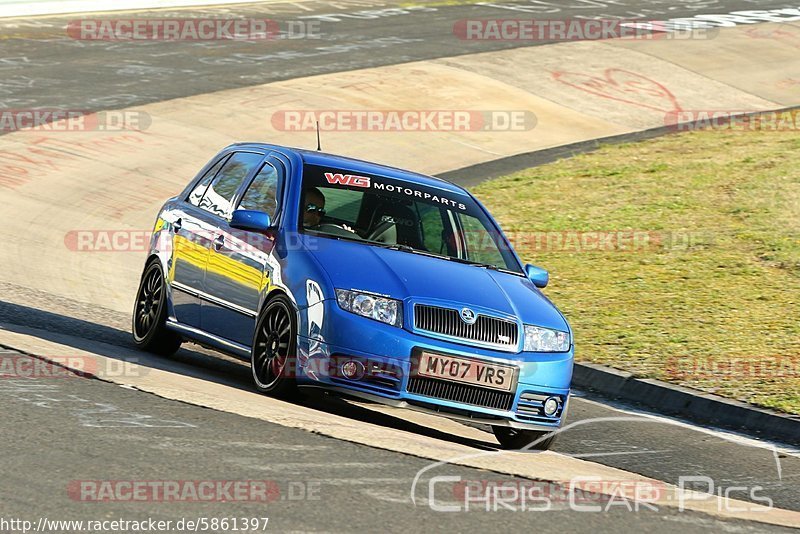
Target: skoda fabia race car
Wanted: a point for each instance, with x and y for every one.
(362, 279)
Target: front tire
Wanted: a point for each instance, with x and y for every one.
(516, 439)
(149, 321)
(272, 358)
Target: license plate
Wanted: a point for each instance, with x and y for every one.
(487, 375)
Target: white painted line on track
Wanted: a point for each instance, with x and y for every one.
(726, 435)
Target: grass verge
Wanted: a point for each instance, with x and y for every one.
(676, 258)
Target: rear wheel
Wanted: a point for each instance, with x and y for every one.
(514, 438)
(272, 358)
(149, 322)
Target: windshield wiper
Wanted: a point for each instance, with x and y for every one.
(489, 266)
(404, 248)
(407, 248)
(476, 264)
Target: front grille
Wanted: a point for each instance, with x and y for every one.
(487, 330)
(453, 391)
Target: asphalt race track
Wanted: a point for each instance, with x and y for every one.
(41, 66)
(316, 477)
(346, 466)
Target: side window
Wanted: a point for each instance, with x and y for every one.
(480, 245)
(219, 194)
(263, 193)
(200, 189)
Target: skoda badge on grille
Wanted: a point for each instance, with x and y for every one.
(468, 316)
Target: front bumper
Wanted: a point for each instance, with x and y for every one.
(387, 356)
(473, 417)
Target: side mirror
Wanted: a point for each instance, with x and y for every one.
(537, 275)
(250, 220)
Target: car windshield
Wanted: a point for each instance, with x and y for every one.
(408, 216)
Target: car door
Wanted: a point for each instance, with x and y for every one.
(200, 220)
(238, 267)
(191, 241)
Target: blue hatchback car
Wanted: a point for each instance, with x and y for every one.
(362, 279)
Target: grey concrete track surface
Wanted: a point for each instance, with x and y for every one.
(96, 432)
(47, 444)
(42, 67)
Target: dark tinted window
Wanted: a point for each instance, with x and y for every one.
(219, 194)
(200, 189)
(262, 194)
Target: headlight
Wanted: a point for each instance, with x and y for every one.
(381, 309)
(539, 339)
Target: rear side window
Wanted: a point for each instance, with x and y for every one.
(200, 189)
(263, 193)
(217, 198)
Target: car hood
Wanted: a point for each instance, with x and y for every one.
(407, 276)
